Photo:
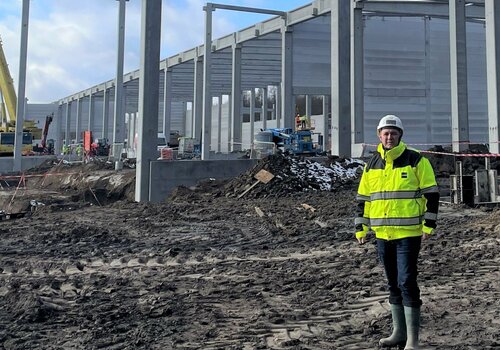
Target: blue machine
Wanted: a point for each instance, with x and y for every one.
(296, 142)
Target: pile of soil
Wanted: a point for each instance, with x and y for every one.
(57, 185)
(208, 270)
(294, 174)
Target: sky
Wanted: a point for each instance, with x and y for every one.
(72, 43)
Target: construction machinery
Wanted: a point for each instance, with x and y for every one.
(46, 147)
(298, 142)
(189, 148)
(7, 144)
(8, 117)
(98, 148)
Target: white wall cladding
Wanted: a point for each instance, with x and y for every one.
(311, 56)
(38, 113)
(261, 61)
(406, 67)
(396, 73)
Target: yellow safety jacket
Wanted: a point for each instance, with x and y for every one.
(398, 196)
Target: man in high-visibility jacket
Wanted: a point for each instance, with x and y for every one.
(398, 199)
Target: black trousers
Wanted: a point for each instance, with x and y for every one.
(399, 258)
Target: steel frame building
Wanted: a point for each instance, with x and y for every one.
(366, 58)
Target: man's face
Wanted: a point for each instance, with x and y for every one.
(389, 137)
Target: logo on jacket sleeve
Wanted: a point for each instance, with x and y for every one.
(404, 175)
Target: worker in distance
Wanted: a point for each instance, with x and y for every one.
(398, 199)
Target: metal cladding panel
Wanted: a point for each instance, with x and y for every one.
(311, 53)
(38, 113)
(394, 74)
(261, 61)
(440, 82)
(178, 116)
(395, 78)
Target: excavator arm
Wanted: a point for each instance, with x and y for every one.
(7, 90)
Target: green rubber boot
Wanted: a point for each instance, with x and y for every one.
(412, 316)
(398, 336)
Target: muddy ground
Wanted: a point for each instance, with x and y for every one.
(89, 269)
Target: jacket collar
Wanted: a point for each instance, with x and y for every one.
(390, 155)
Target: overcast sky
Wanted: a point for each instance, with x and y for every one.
(72, 43)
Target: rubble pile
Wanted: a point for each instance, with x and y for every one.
(294, 174)
(444, 164)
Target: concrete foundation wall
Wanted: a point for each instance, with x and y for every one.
(166, 175)
(6, 164)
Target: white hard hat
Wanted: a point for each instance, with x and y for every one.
(390, 121)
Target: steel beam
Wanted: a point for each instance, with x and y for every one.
(246, 9)
(416, 8)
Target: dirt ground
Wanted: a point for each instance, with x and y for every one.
(87, 268)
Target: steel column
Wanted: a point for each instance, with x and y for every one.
(198, 98)
(58, 139)
(119, 115)
(207, 85)
(458, 75)
(357, 73)
(167, 103)
(67, 128)
(492, 10)
(252, 115)
(21, 88)
(236, 120)
(264, 108)
(340, 85)
(149, 89)
(105, 114)
(78, 120)
(428, 80)
(219, 123)
(91, 113)
(287, 102)
(278, 106)
(326, 118)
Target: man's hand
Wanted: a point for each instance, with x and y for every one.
(425, 236)
(361, 240)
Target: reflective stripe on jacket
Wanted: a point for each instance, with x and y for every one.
(391, 194)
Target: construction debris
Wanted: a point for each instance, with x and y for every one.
(293, 174)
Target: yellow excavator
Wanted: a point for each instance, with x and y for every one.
(8, 102)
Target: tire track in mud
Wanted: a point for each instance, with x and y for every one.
(156, 279)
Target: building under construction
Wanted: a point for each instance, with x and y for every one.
(342, 63)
